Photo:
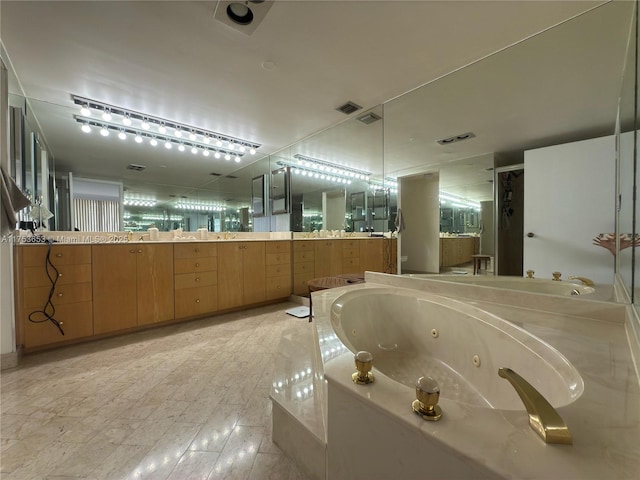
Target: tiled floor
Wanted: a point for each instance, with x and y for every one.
(187, 401)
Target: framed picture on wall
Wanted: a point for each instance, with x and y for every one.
(258, 189)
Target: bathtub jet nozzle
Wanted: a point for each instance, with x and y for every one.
(426, 405)
(364, 362)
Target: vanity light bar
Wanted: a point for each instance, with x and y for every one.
(201, 206)
(164, 127)
(157, 139)
(330, 168)
(459, 201)
(139, 202)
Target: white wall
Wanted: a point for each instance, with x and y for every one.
(418, 198)
(569, 200)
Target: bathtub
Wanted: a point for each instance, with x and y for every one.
(535, 285)
(413, 334)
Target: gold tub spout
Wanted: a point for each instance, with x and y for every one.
(543, 418)
(584, 280)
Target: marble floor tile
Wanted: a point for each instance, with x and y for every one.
(182, 401)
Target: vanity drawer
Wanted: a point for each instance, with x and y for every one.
(195, 264)
(278, 270)
(303, 246)
(72, 293)
(278, 258)
(73, 273)
(303, 256)
(278, 287)
(35, 256)
(350, 253)
(303, 267)
(278, 247)
(195, 301)
(195, 250)
(76, 319)
(351, 243)
(199, 279)
(351, 265)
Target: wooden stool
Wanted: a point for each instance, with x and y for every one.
(324, 283)
(478, 260)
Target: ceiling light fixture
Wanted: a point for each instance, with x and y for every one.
(198, 137)
(338, 172)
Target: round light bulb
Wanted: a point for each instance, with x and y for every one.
(138, 139)
(237, 159)
(218, 143)
(252, 151)
(104, 132)
(122, 136)
(85, 111)
(126, 121)
(205, 153)
(153, 142)
(192, 136)
(232, 146)
(86, 128)
(167, 145)
(162, 128)
(207, 140)
(181, 148)
(145, 125)
(227, 157)
(242, 148)
(178, 133)
(194, 150)
(217, 155)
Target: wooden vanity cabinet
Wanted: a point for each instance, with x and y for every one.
(72, 296)
(278, 269)
(303, 265)
(132, 285)
(241, 274)
(328, 258)
(351, 256)
(196, 279)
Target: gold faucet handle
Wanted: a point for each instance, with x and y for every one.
(530, 273)
(556, 276)
(364, 362)
(426, 403)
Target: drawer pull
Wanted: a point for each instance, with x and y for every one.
(140, 251)
(197, 300)
(59, 275)
(132, 251)
(197, 264)
(60, 294)
(58, 255)
(197, 279)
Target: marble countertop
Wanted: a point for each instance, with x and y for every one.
(604, 421)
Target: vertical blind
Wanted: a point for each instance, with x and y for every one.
(96, 215)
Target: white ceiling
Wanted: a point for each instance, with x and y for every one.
(172, 59)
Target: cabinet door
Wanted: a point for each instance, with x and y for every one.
(154, 284)
(230, 275)
(328, 258)
(254, 289)
(114, 287)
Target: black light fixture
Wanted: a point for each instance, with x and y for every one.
(240, 13)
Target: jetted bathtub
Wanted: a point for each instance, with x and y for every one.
(413, 334)
(535, 285)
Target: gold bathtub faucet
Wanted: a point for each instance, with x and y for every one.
(543, 418)
(584, 280)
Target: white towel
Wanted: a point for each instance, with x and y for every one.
(12, 200)
(399, 221)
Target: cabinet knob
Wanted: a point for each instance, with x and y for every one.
(197, 264)
(197, 279)
(197, 300)
(132, 251)
(58, 255)
(60, 294)
(140, 250)
(59, 275)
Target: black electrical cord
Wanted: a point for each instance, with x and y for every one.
(48, 311)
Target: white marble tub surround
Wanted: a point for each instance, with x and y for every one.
(535, 285)
(480, 442)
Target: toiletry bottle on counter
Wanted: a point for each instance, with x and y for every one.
(154, 234)
(203, 233)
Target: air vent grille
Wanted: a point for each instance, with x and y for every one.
(231, 176)
(348, 108)
(215, 174)
(369, 118)
(456, 138)
(137, 168)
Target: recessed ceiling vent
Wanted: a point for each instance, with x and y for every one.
(369, 118)
(456, 138)
(348, 108)
(242, 15)
(230, 176)
(215, 174)
(137, 168)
